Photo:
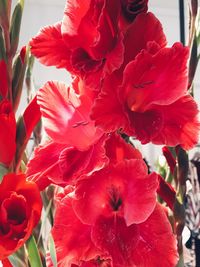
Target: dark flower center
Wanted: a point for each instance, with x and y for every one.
(131, 8)
(115, 200)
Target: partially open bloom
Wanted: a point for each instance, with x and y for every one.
(88, 38)
(7, 132)
(20, 209)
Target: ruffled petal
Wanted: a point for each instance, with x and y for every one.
(107, 111)
(73, 15)
(48, 46)
(157, 243)
(43, 168)
(180, 124)
(74, 163)
(156, 79)
(66, 117)
(74, 233)
(145, 28)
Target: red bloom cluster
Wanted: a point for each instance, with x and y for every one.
(125, 81)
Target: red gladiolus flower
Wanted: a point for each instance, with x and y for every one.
(110, 242)
(7, 133)
(20, 209)
(77, 146)
(87, 42)
(124, 189)
(154, 88)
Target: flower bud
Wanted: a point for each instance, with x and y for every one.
(15, 26)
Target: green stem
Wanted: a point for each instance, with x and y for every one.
(33, 253)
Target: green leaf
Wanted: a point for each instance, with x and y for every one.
(15, 26)
(3, 171)
(4, 12)
(33, 253)
(181, 261)
(52, 251)
(15, 261)
(2, 46)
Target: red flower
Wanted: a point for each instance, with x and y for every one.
(3, 79)
(154, 88)
(77, 146)
(7, 133)
(86, 43)
(20, 209)
(124, 190)
(110, 242)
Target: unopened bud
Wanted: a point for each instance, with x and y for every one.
(15, 26)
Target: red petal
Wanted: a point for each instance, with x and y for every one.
(157, 244)
(167, 192)
(6, 263)
(145, 244)
(73, 15)
(74, 233)
(107, 28)
(146, 125)
(66, 117)
(107, 111)
(49, 47)
(171, 160)
(44, 166)
(180, 124)
(113, 236)
(115, 58)
(31, 116)
(75, 163)
(159, 79)
(125, 189)
(145, 28)
(117, 149)
(3, 79)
